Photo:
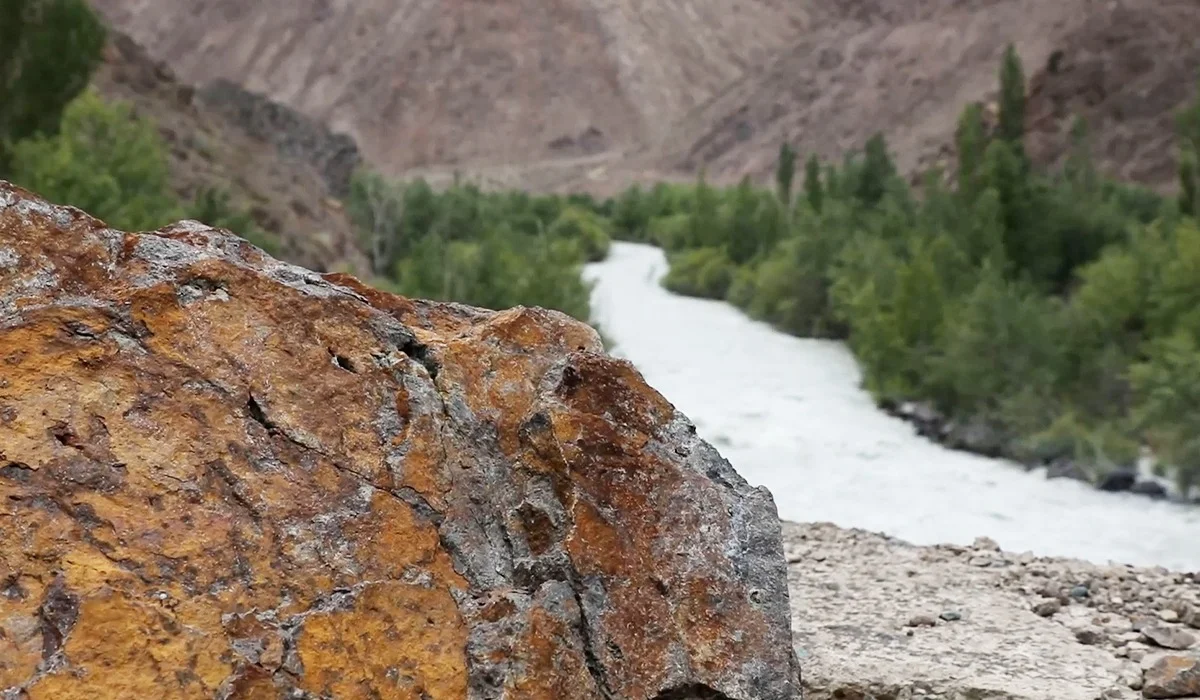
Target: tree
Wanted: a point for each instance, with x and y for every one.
(877, 171)
(785, 172)
(104, 161)
(814, 189)
(1080, 171)
(1188, 185)
(971, 142)
(48, 50)
(377, 210)
(703, 227)
(1002, 173)
(1012, 101)
(583, 227)
(741, 224)
(1189, 157)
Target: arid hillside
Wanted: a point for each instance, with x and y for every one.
(434, 82)
(213, 140)
(595, 93)
(1126, 66)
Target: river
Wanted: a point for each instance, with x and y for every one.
(790, 414)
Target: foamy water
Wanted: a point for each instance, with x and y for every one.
(790, 415)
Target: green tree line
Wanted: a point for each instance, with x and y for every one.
(495, 250)
(1060, 307)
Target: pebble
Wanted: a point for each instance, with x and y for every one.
(1170, 637)
(922, 621)
(1079, 592)
(1089, 635)
(1168, 615)
(1047, 608)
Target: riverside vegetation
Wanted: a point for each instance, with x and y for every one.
(1059, 310)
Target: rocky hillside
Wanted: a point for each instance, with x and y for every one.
(219, 136)
(1125, 65)
(428, 82)
(592, 93)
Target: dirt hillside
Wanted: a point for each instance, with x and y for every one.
(594, 93)
(213, 139)
(435, 82)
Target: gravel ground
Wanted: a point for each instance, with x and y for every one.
(876, 618)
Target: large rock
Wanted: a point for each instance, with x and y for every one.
(225, 476)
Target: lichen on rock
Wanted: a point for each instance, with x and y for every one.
(226, 476)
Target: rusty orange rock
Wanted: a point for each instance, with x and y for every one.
(225, 476)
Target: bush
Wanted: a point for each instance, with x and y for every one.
(584, 227)
(104, 161)
(703, 272)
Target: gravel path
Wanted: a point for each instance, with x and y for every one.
(876, 618)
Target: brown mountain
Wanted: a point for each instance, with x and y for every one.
(593, 93)
(280, 166)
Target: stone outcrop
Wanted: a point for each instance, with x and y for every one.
(226, 476)
(208, 144)
(297, 137)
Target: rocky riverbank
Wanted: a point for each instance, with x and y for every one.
(982, 438)
(875, 618)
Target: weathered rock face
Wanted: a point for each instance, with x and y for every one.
(225, 476)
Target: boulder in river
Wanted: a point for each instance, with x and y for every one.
(227, 476)
(1152, 489)
(1120, 479)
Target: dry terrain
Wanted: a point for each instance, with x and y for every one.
(211, 144)
(595, 93)
(875, 618)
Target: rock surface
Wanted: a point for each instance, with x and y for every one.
(225, 476)
(869, 622)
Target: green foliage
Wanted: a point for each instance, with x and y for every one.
(876, 173)
(971, 142)
(1189, 157)
(1012, 101)
(701, 272)
(814, 189)
(585, 228)
(495, 250)
(48, 50)
(104, 161)
(1167, 384)
(112, 164)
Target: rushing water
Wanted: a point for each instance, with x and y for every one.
(790, 414)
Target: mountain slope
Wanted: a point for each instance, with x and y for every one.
(425, 82)
(207, 147)
(591, 94)
(1126, 67)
